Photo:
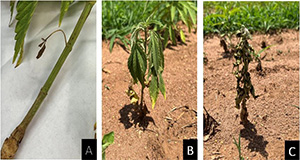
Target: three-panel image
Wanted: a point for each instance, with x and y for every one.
(149, 80)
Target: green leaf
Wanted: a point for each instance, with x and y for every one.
(130, 67)
(155, 22)
(172, 35)
(25, 10)
(162, 86)
(107, 140)
(193, 15)
(111, 43)
(173, 9)
(153, 89)
(103, 155)
(182, 36)
(183, 16)
(155, 50)
(166, 38)
(190, 6)
(63, 9)
(142, 64)
(12, 5)
(137, 63)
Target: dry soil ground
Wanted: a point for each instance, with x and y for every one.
(273, 119)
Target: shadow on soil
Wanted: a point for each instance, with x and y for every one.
(256, 142)
(132, 115)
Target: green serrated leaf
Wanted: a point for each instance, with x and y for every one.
(153, 89)
(63, 10)
(25, 10)
(12, 5)
(182, 36)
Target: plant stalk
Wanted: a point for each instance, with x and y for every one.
(11, 144)
(143, 85)
(244, 112)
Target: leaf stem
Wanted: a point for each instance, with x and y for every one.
(11, 144)
(55, 32)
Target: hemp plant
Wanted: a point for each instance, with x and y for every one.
(147, 56)
(25, 11)
(243, 56)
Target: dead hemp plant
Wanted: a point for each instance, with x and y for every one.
(243, 56)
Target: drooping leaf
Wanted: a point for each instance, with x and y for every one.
(172, 35)
(142, 65)
(12, 5)
(63, 10)
(162, 86)
(130, 67)
(154, 51)
(166, 38)
(25, 10)
(183, 16)
(153, 89)
(182, 36)
(156, 22)
(192, 9)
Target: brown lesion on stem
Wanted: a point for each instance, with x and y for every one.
(11, 144)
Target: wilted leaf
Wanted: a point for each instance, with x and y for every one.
(130, 67)
(162, 86)
(25, 11)
(41, 51)
(153, 89)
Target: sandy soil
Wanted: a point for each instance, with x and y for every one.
(162, 138)
(273, 119)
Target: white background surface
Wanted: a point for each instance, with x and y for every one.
(68, 113)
